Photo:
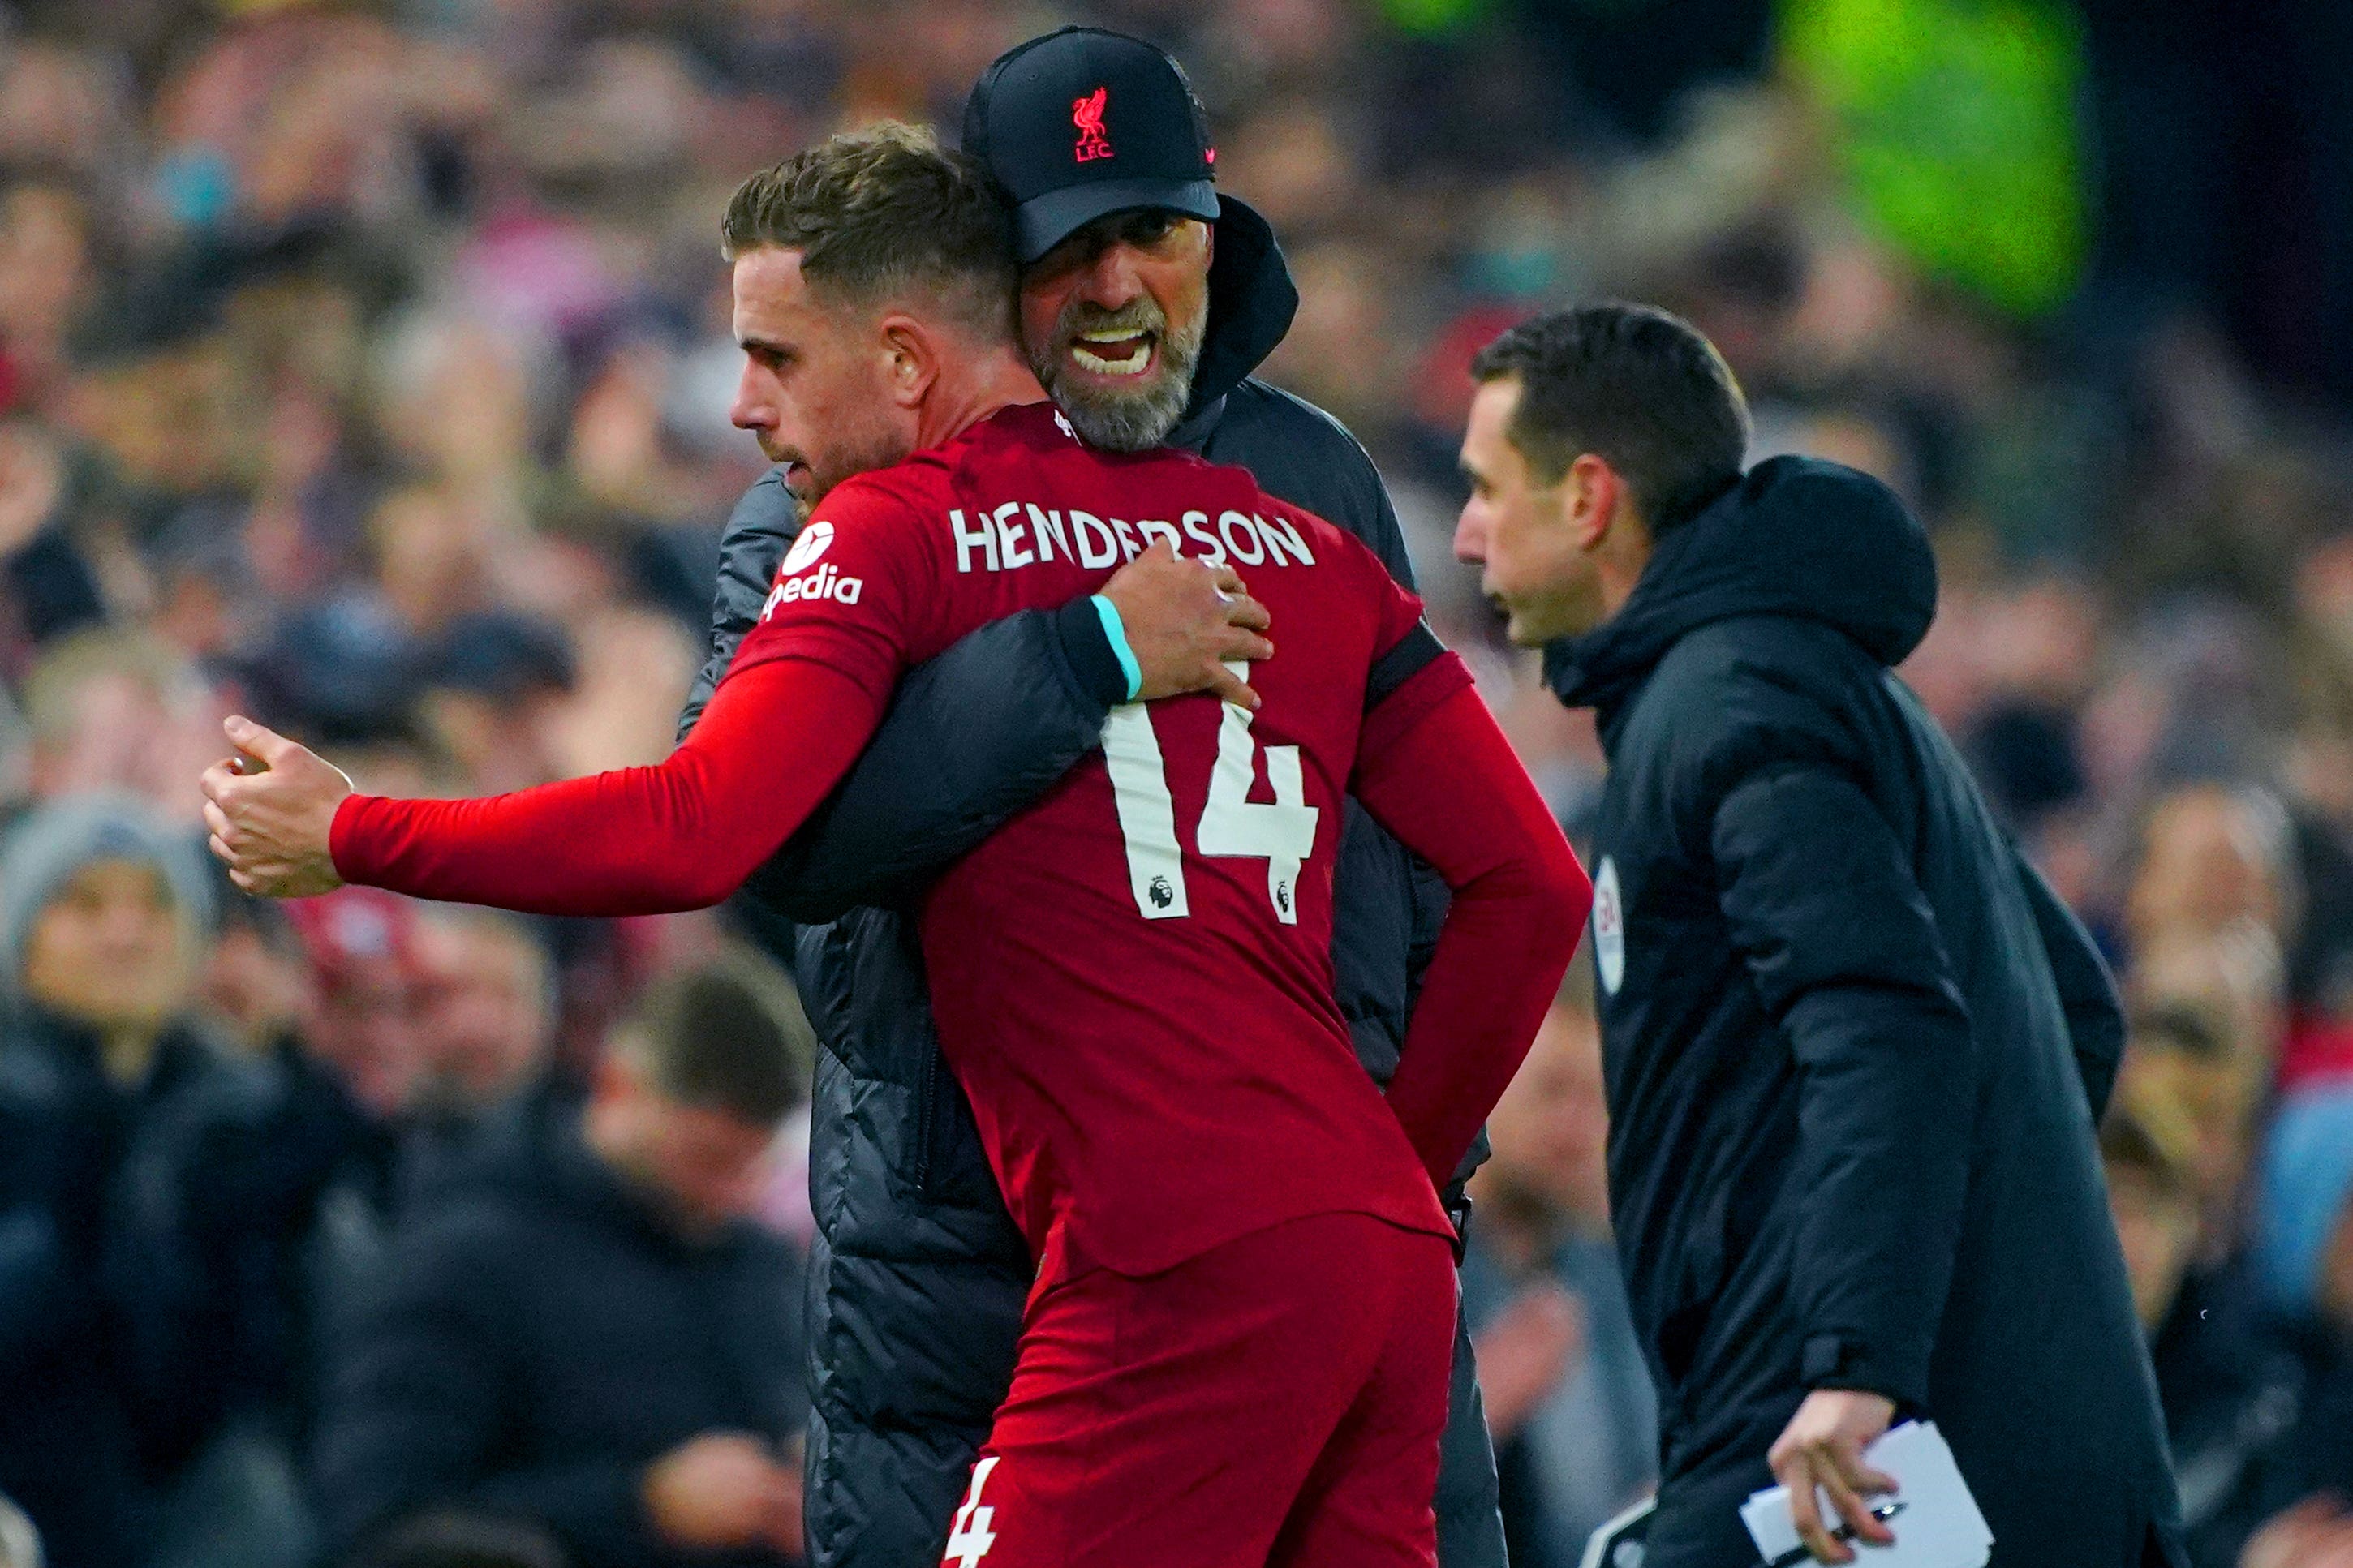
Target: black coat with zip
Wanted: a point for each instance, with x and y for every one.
(1856, 1047)
(918, 1275)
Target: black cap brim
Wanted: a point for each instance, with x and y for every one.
(1044, 222)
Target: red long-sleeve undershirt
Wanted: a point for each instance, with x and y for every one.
(1435, 771)
(1449, 788)
(680, 835)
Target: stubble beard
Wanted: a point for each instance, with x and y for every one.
(1126, 419)
(821, 478)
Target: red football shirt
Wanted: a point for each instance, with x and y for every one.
(1132, 978)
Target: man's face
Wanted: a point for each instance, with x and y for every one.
(2214, 1098)
(1550, 1131)
(106, 951)
(481, 1011)
(2158, 1231)
(363, 1026)
(1113, 320)
(1518, 530)
(813, 391)
(707, 1167)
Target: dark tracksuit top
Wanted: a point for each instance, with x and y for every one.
(1855, 1049)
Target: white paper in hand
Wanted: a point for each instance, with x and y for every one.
(1940, 1525)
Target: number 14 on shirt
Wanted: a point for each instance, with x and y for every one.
(1281, 832)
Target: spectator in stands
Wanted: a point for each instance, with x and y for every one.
(116, 709)
(485, 1009)
(457, 1539)
(591, 1338)
(2153, 1192)
(1568, 1399)
(2278, 1481)
(2180, 1074)
(2213, 855)
(2232, 979)
(131, 1264)
(347, 1076)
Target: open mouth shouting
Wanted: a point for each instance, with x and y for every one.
(1122, 352)
(1122, 376)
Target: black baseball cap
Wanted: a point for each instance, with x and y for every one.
(1083, 122)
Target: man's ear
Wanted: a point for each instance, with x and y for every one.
(911, 357)
(1591, 496)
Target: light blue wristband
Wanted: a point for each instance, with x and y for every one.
(1115, 634)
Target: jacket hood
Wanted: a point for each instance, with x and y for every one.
(1795, 537)
(1251, 301)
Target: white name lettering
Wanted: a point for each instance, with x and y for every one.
(1008, 537)
(1211, 551)
(966, 538)
(1096, 546)
(1250, 557)
(1280, 533)
(1047, 526)
(1008, 534)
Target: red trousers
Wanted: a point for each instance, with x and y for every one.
(1273, 1403)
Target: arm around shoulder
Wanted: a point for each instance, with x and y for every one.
(971, 738)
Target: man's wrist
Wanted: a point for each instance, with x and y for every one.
(1115, 632)
(349, 835)
(1831, 1363)
(1087, 648)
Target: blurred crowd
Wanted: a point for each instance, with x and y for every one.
(365, 367)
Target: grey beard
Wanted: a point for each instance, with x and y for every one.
(1128, 421)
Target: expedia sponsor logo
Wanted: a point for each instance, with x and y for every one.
(825, 582)
(811, 543)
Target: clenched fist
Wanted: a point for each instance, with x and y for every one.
(270, 809)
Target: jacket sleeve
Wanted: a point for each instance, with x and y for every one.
(759, 531)
(1379, 526)
(2087, 991)
(417, 1398)
(1820, 901)
(971, 738)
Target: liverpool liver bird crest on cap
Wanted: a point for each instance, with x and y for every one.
(1087, 114)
